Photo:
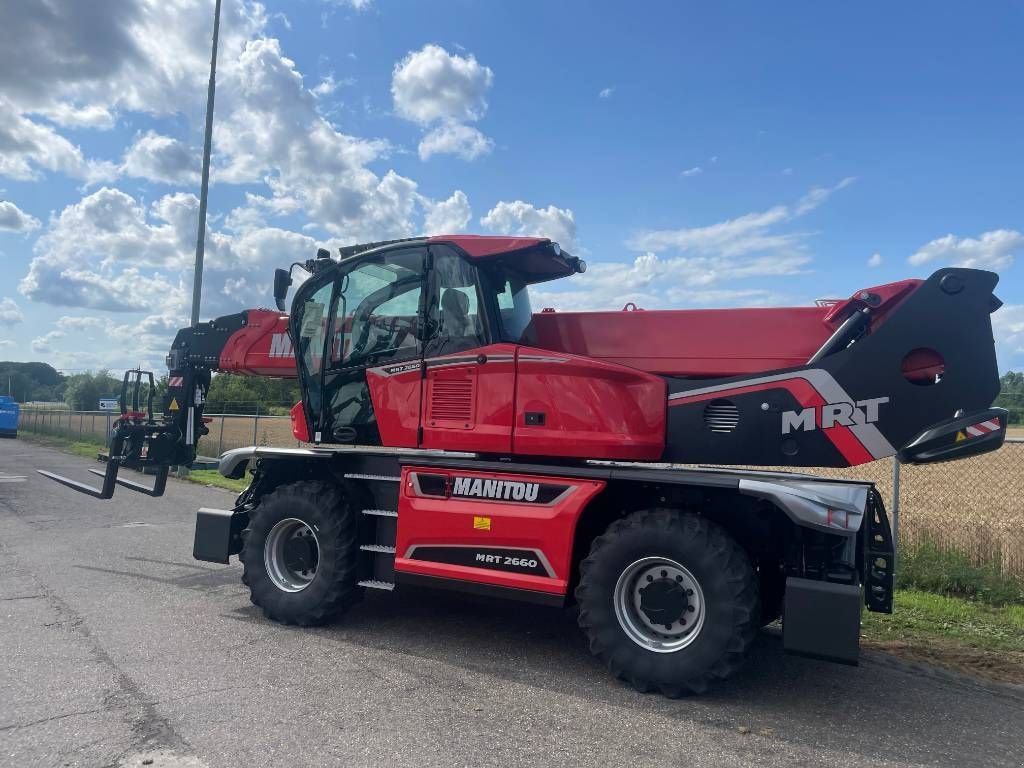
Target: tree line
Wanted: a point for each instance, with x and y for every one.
(229, 393)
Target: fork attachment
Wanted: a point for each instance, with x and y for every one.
(138, 441)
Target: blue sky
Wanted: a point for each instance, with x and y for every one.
(712, 154)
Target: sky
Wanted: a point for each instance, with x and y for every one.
(695, 154)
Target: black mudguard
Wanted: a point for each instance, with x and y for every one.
(855, 405)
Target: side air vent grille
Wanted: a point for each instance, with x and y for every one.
(451, 400)
(721, 416)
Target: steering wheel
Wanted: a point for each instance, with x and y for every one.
(364, 336)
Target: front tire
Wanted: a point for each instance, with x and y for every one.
(668, 601)
(300, 554)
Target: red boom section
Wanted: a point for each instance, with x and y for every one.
(261, 348)
(710, 342)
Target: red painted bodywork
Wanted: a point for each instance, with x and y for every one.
(261, 348)
(478, 401)
(482, 246)
(300, 427)
(468, 405)
(708, 342)
(425, 520)
(591, 408)
(692, 342)
(396, 403)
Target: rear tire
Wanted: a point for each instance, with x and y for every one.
(300, 554)
(668, 601)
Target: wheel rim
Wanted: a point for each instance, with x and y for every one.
(659, 604)
(291, 555)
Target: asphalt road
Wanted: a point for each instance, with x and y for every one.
(119, 648)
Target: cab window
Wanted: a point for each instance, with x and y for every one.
(377, 308)
(455, 313)
(514, 310)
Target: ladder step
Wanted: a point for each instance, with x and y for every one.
(383, 478)
(380, 512)
(375, 584)
(383, 549)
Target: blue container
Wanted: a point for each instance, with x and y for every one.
(8, 417)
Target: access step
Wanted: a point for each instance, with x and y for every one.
(383, 549)
(376, 584)
(380, 512)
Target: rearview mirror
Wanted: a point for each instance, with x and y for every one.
(282, 281)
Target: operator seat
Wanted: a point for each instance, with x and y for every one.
(454, 313)
(457, 331)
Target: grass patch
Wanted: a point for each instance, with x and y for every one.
(919, 615)
(215, 478)
(89, 450)
(963, 635)
(931, 568)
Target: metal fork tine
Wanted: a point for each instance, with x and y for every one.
(157, 489)
(98, 493)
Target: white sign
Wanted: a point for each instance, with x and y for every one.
(109, 404)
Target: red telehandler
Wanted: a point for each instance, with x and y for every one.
(460, 440)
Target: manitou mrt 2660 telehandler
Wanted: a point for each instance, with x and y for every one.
(460, 440)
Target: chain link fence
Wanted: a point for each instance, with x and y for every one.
(226, 431)
(974, 506)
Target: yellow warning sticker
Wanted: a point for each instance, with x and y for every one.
(174, 404)
(481, 523)
(961, 436)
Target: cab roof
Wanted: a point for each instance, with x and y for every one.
(482, 246)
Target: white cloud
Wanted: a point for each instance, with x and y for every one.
(27, 148)
(161, 158)
(706, 264)
(272, 131)
(463, 141)
(431, 84)
(434, 87)
(109, 252)
(108, 226)
(818, 195)
(750, 233)
(875, 260)
(76, 63)
(43, 344)
(521, 218)
(82, 64)
(13, 219)
(606, 93)
(652, 283)
(1008, 329)
(990, 250)
(695, 171)
(10, 314)
(448, 216)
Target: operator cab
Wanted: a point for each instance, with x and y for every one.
(389, 307)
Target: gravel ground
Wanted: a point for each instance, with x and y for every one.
(119, 648)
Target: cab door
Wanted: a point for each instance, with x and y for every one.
(360, 352)
(469, 374)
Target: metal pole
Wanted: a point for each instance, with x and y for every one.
(197, 280)
(220, 444)
(895, 508)
(255, 424)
